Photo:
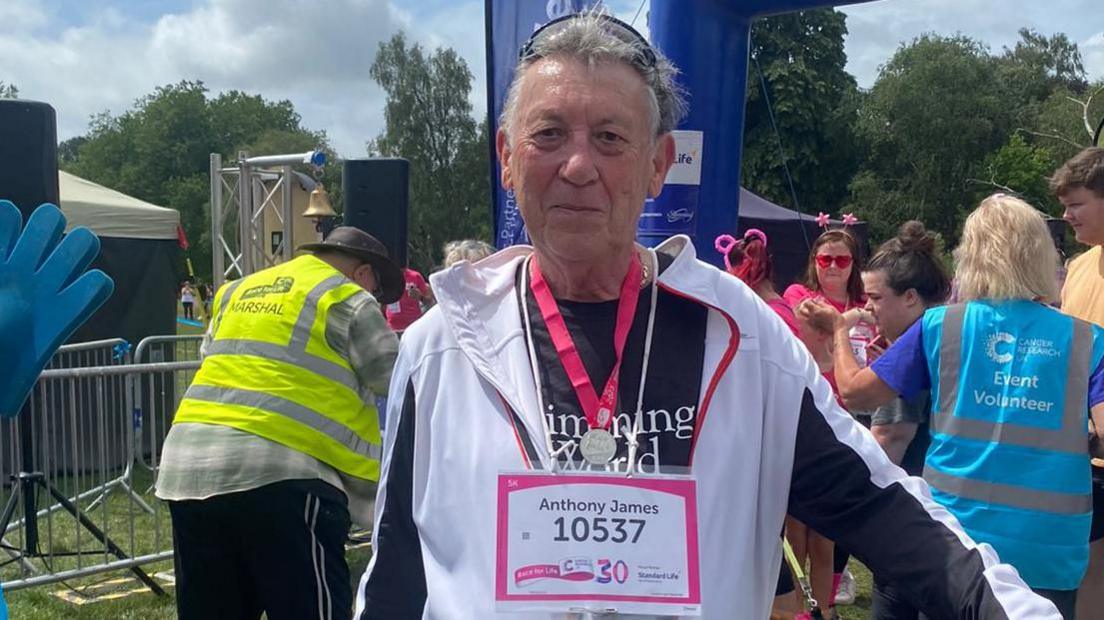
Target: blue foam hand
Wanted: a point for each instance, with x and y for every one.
(43, 296)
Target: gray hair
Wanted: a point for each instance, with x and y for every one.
(470, 250)
(587, 38)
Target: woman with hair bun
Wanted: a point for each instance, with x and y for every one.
(904, 279)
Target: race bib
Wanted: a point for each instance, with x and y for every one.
(394, 308)
(601, 543)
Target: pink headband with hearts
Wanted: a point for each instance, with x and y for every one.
(724, 243)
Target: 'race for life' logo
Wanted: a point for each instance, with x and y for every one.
(995, 340)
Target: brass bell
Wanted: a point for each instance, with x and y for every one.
(319, 206)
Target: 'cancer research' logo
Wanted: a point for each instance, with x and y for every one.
(996, 340)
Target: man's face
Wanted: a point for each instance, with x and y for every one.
(582, 158)
(1085, 213)
(365, 276)
(894, 313)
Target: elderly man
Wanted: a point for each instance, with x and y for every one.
(277, 439)
(592, 426)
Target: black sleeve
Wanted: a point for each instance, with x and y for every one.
(395, 589)
(834, 492)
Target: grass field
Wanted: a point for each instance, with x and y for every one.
(40, 604)
(59, 532)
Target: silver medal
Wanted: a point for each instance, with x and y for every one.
(598, 446)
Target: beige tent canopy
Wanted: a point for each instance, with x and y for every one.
(109, 213)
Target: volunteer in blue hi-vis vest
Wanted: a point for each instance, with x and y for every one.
(276, 445)
(1013, 381)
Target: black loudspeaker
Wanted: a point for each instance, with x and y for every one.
(376, 192)
(28, 154)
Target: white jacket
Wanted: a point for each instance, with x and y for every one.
(771, 439)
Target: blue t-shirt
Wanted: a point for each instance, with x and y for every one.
(904, 367)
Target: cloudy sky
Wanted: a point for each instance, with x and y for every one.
(86, 57)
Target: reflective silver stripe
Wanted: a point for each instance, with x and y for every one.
(317, 365)
(1009, 495)
(221, 310)
(950, 355)
(308, 417)
(1077, 376)
(1063, 439)
(300, 334)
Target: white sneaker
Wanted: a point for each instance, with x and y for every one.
(846, 593)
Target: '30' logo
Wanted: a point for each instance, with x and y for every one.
(612, 571)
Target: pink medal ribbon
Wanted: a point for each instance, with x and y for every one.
(598, 445)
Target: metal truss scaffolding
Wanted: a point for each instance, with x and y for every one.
(241, 196)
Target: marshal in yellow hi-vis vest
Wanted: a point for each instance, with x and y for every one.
(269, 370)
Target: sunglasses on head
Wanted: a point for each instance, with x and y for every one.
(825, 261)
(645, 55)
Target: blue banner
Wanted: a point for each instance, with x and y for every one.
(509, 24)
(675, 211)
(709, 41)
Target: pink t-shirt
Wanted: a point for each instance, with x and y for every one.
(862, 334)
(783, 309)
(797, 293)
(407, 309)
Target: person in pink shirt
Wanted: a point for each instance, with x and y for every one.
(409, 307)
(748, 260)
(833, 275)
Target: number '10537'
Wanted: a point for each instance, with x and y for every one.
(598, 529)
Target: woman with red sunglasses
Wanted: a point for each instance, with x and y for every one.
(833, 275)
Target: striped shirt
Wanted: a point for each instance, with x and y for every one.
(203, 460)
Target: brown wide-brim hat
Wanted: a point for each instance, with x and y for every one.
(355, 242)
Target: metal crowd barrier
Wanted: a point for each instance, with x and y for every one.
(98, 417)
(157, 394)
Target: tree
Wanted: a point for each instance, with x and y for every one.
(160, 149)
(1022, 169)
(934, 114)
(1038, 65)
(1065, 122)
(814, 101)
(69, 150)
(428, 121)
(8, 91)
(947, 123)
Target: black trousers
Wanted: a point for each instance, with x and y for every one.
(277, 549)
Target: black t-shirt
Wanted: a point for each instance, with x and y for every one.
(669, 412)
